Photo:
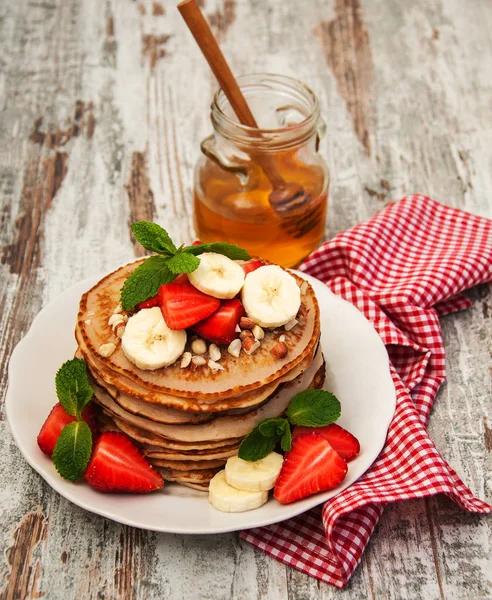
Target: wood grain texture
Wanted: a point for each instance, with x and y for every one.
(102, 108)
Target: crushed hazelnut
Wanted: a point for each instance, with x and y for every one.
(185, 360)
(199, 361)
(107, 349)
(291, 324)
(199, 346)
(258, 332)
(279, 350)
(246, 323)
(250, 345)
(234, 348)
(215, 366)
(214, 352)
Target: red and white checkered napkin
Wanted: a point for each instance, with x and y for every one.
(402, 269)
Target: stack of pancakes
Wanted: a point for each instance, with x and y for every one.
(188, 421)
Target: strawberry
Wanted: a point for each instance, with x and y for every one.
(154, 301)
(341, 440)
(220, 327)
(252, 265)
(182, 305)
(197, 243)
(56, 421)
(310, 467)
(118, 466)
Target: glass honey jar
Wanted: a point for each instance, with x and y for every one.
(236, 189)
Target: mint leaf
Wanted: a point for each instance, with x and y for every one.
(273, 427)
(153, 237)
(72, 386)
(182, 263)
(145, 281)
(313, 408)
(286, 440)
(256, 446)
(232, 251)
(73, 450)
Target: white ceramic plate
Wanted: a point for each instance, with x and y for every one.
(357, 372)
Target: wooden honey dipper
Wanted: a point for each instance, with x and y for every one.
(284, 195)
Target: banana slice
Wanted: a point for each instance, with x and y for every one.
(226, 498)
(217, 276)
(253, 476)
(271, 296)
(149, 343)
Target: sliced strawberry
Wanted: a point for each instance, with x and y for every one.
(341, 440)
(310, 467)
(252, 265)
(155, 301)
(118, 466)
(197, 243)
(56, 421)
(220, 327)
(182, 305)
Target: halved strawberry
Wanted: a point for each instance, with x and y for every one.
(182, 305)
(341, 440)
(118, 466)
(310, 467)
(252, 265)
(197, 243)
(155, 301)
(220, 327)
(56, 421)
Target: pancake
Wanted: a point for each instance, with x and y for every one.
(239, 375)
(223, 427)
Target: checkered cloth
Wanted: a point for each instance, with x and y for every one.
(402, 269)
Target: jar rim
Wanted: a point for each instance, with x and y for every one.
(304, 128)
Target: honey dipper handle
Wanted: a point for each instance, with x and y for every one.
(200, 29)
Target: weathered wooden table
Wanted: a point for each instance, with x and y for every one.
(102, 107)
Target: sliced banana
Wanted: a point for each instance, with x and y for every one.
(149, 343)
(217, 276)
(226, 498)
(253, 476)
(271, 296)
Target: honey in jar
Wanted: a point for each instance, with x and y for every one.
(234, 197)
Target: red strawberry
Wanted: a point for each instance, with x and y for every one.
(310, 467)
(56, 421)
(182, 305)
(118, 466)
(341, 440)
(220, 327)
(252, 265)
(155, 301)
(197, 243)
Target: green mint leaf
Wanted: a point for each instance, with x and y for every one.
(256, 446)
(286, 440)
(182, 263)
(313, 408)
(273, 427)
(230, 250)
(145, 281)
(73, 450)
(153, 237)
(72, 386)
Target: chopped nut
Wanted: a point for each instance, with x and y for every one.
(185, 360)
(115, 319)
(258, 332)
(304, 287)
(118, 309)
(245, 334)
(282, 338)
(199, 346)
(291, 324)
(234, 348)
(214, 352)
(119, 329)
(250, 345)
(215, 366)
(87, 321)
(107, 349)
(279, 350)
(237, 329)
(199, 361)
(246, 323)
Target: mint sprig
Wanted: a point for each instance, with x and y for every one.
(72, 386)
(73, 448)
(310, 408)
(145, 281)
